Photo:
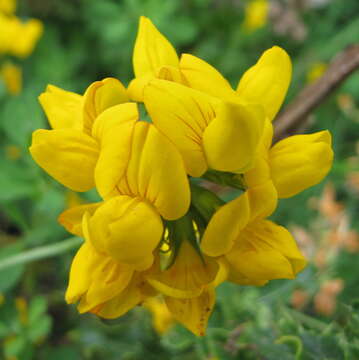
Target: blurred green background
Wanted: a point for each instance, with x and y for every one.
(315, 316)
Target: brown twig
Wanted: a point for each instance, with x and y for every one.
(344, 64)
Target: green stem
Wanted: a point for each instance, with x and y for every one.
(308, 320)
(295, 340)
(176, 345)
(41, 252)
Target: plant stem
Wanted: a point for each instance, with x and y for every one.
(40, 252)
(295, 340)
(308, 320)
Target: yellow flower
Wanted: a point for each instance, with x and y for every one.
(12, 76)
(300, 161)
(289, 167)
(152, 51)
(63, 108)
(18, 38)
(316, 71)
(26, 35)
(265, 83)
(253, 250)
(188, 286)
(7, 6)
(194, 312)
(8, 26)
(264, 251)
(188, 277)
(206, 123)
(162, 319)
(284, 170)
(209, 132)
(140, 184)
(256, 15)
(70, 152)
(102, 285)
(144, 238)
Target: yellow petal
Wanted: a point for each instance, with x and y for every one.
(262, 194)
(95, 278)
(267, 82)
(283, 242)
(113, 129)
(137, 85)
(182, 114)
(300, 161)
(26, 36)
(204, 77)
(100, 96)
(259, 265)
(162, 320)
(225, 226)
(263, 200)
(108, 280)
(128, 230)
(9, 26)
(256, 14)
(235, 277)
(169, 73)
(193, 313)
(152, 50)
(230, 141)
(71, 219)
(156, 172)
(62, 108)
(188, 276)
(8, 6)
(68, 155)
(265, 251)
(260, 172)
(12, 76)
(131, 296)
(267, 137)
(307, 139)
(80, 273)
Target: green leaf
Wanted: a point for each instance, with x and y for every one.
(40, 329)
(37, 308)
(15, 181)
(15, 117)
(14, 346)
(4, 330)
(62, 352)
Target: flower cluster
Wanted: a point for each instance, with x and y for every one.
(157, 230)
(18, 39)
(256, 15)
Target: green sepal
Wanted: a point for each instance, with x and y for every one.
(205, 201)
(179, 231)
(226, 179)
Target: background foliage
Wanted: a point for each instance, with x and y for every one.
(313, 317)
